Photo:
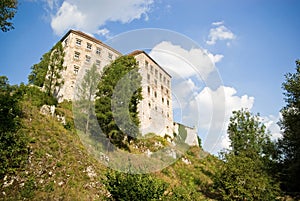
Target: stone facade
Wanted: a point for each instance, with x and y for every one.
(155, 110)
(81, 52)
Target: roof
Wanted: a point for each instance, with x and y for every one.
(88, 37)
(137, 52)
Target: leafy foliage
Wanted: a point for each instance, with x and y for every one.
(289, 145)
(53, 80)
(39, 71)
(119, 93)
(13, 142)
(244, 174)
(134, 187)
(84, 103)
(8, 9)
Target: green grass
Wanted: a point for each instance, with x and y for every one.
(57, 164)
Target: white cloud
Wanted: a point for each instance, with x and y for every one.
(90, 15)
(103, 32)
(220, 32)
(183, 63)
(210, 111)
(270, 122)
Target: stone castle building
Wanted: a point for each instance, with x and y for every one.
(155, 110)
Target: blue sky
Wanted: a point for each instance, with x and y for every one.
(254, 42)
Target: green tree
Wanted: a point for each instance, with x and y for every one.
(245, 173)
(53, 80)
(119, 93)
(13, 143)
(8, 9)
(289, 145)
(86, 92)
(39, 71)
(135, 187)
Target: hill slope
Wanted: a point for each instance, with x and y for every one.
(60, 168)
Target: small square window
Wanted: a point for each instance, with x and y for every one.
(78, 42)
(89, 46)
(110, 56)
(76, 55)
(87, 58)
(98, 62)
(98, 50)
(76, 69)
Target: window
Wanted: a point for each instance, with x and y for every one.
(89, 46)
(151, 69)
(167, 91)
(164, 79)
(168, 103)
(76, 69)
(98, 50)
(155, 82)
(148, 90)
(148, 77)
(168, 83)
(149, 104)
(87, 58)
(76, 55)
(146, 64)
(156, 72)
(162, 100)
(162, 88)
(155, 94)
(160, 76)
(110, 55)
(98, 62)
(78, 42)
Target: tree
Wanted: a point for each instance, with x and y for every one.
(289, 145)
(13, 143)
(86, 92)
(39, 71)
(8, 9)
(53, 79)
(119, 92)
(245, 174)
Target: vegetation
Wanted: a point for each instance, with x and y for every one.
(13, 142)
(134, 187)
(43, 159)
(47, 73)
(289, 145)
(119, 91)
(8, 9)
(244, 174)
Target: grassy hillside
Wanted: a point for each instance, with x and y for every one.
(59, 168)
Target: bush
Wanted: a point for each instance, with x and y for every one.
(131, 187)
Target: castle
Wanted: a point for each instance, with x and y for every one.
(155, 109)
